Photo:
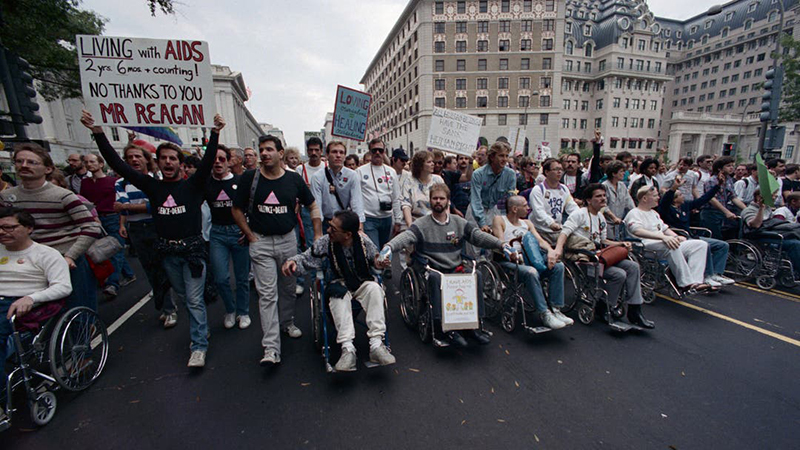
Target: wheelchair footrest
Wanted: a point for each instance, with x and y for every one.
(438, 343)
(537, 330)
(5, 422)
(623, 327)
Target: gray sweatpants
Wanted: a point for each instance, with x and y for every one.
(276, 297)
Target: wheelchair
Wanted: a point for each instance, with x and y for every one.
(322, 329)
(69, 351)
(749, 258)
(415, 306)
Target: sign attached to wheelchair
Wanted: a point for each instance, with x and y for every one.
(459, 302)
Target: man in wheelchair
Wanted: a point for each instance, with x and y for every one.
(513, 226)
(439, 238)
(686, 257)
(759, 218)
(350, 255)
(589, 224)
(31, 275)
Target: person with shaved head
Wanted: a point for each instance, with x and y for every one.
(539, 253)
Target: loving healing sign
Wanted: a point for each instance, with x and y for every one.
(146, 82)
(351, 113)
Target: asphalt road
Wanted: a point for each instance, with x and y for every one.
(720, 375)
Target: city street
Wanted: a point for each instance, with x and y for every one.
(717, 372)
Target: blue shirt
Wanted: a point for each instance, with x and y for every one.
(348, 186)
(488, 189)
(128, 193)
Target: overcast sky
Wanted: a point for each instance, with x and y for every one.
(292, 54)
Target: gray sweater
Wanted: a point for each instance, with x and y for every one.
(440, 243)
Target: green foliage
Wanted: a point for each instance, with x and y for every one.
(165, 6)
(790, 107)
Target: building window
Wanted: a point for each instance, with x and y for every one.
(527, 25)
(524, 101)
(544, 119)
(565, 124)
(598, 104)
(483, 46)
(502, 101)
(461, 46)
(483, 102)
(587, 30)
(568, 48)
(525, 83)
(566, 104)
(439, 8)
(504, 45)
(461, 7)
(439, 65)
(547, 63)
(550, 5)
(544, 101)
(583, 124)
(483, 26)
(438, 27)
(584, 105)
(438, 47)
(482, 83)
(505, 6)
(461, 65)
(505, 26)
(523, 119)
(461, 102)
(752, 7)
(481, 64)
(545, 82)
(748, 24)
(502, 119)
(503, 64)
(483, 6)
(598, 123)
(547, 44)
(525, 45)
(461, 27)
(461, 84)
(439, 102)
(439, 84)
(587, 50)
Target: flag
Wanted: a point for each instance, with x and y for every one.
(767, 183)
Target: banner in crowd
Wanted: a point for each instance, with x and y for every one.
(317, 134)
(350, 114)
(459, 302)
(767, 183)
(146, 82)
(516, 139)
(453, 131)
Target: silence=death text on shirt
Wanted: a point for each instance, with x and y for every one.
(274, 202)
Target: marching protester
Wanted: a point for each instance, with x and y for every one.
(492, 183)
(236, 161)
(618, 200)
(291, 158)
(351, 255)
(461, 187)
(64, 222)
(747, 185)
(381, 191)
(101, 191)
(177, 216)
(264, 209)
(79, 172)
(227, 243)
(415, 190)
(718, 213)
(398, 161)
(250, 158)
(307, 172)
(352, 162)
(136, 223)
(336, 188)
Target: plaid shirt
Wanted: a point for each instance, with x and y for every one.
(725, 195)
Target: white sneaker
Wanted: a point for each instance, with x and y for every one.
(551, 321)
(244, 322)
(198, 359)
(711, 282)
(381, 355)
(293, 331)
(162, 317)
(170, 320)
(270, 357)
(723, 280)
(560, 316)
(347, 362)
(229, 320)
(298, 290)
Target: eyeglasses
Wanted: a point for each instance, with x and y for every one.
(9, 228)
(334, 229)
(27, 162)
(221, 158)
(377, 150)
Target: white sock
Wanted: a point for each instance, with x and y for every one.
(375, 342)
(348, 346)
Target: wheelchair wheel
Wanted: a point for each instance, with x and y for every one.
(43, 408)
(766, 282)
(410, 292)
(786, 279)
(743, 262)
(648, 295)
(508, 317)
(649, 286)
(425, 325)
(572, 287)
(316, 314)
(492, 289)
(78, 349)
(585, 314)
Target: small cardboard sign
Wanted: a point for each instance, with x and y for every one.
(351, 114)
(460, 302)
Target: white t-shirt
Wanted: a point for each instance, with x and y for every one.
(690, 180)
(787, 214)
(39, 272)
(570, 181)
(549, 205)
(380, 184)
(586, 225)
(307, 171)
(638, 219)
(701, 183)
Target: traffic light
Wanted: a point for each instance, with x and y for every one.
(772, 95)
(205, 143)
(24, 90)
(727, 149)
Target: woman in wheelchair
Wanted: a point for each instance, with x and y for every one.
(512, 226)
(31, 275)
(588, 224)
(760, 221)
(350, 255)
(439, 238)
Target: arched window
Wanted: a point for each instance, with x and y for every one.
(588, 50)
(569, 47)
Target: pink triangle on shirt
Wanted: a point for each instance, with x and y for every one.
(272, 199)
(170, 202)
(222, 196)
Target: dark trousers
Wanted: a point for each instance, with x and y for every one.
(143, 239)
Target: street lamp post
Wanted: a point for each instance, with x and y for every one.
(739, 134)
(525, 125)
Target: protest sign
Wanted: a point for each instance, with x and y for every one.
(454, 131)
(350, 114)
(459, 302)
(516, 139)
(146, 82)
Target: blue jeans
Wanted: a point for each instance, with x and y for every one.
(716, 257)
(379, 230)
(225, 247)
(191, 290)
(84, 286)
(530, 277)
(713, 219)
(121, 266)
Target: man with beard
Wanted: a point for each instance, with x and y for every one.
(79, 172)
(177, 219)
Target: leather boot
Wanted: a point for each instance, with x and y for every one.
(601, 310)
(636, 317)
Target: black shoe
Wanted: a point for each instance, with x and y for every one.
(455, 338)
(481, 337)
(636, 317)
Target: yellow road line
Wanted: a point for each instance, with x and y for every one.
(781, 294)
(771, 334)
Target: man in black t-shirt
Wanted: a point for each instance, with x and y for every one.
(177, 216)
(227, 242)
(270, 208)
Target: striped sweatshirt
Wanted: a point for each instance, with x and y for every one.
(62, 220)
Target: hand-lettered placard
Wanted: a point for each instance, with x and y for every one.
(146, 82)
(351, 113)
(454, 131)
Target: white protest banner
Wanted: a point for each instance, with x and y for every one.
(351, 114)
(453, 131)
(146, 82)
(516, 139)
(459, 302)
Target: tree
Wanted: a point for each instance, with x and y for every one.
(790, 106)
(43, 32)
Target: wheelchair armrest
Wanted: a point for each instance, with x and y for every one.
(701, 232)
(681, 232)
(767, 235)
(590, 254)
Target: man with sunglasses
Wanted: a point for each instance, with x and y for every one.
(335, 187)
(381, 191)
